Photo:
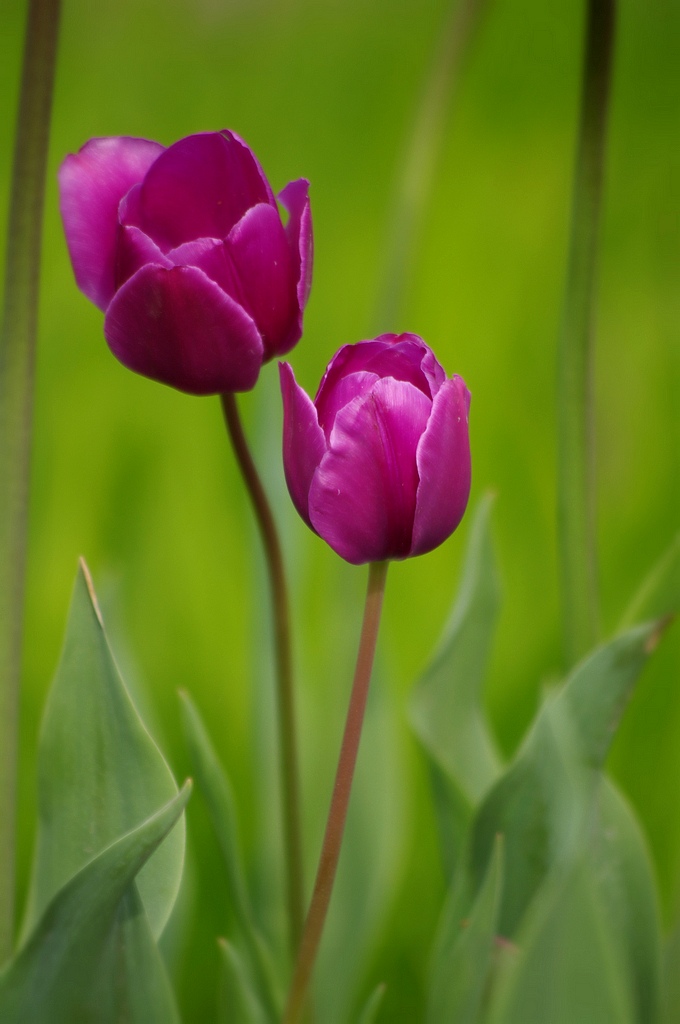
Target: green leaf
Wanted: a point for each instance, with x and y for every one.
(130, 983)
(99, 771)
(541, 805)
(671, 977)
(214, 784)
(598, 689)
(626, 883)
(446, 708)
(60, 974)
(659, 594)
(239, 1002)
(464, 952)
(566, 969)
(373, 1004)
(452, 812)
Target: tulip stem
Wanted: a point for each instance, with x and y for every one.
(18, 335)
(576, 471)
(284, 668)
(417, 167)
(330, 850)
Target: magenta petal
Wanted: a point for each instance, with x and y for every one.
(178, 327)
(303, 440)
(295, 198)
(397, 356)
(354, 385)
(134, 250)
(362, 498)
(91, 184)
(261, 256)
(199, 188)
(212, 257)
(433, 371)
(444, 468)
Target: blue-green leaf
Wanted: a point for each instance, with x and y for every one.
(214, 784)
(671, 978)
(446, 708)
(626, 883)
(66, 973)
(566, 968)
(99, 771)
(464, 951)
(541, 805)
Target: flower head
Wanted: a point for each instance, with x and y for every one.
(379, 464)
(184, 250)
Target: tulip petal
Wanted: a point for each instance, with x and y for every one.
(212, 257)
(295, 198)
(134, 250)
(91, 184)
(199, 188)
(444, 468)
(391, 355)
(178, 327)
(263, 262)
(362, 498)
(433, 371)
(346, 389)
(304, 443)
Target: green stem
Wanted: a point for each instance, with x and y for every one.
(330, 851)
(576, 476)
(17, 362)
(284, 669)
(417, 168)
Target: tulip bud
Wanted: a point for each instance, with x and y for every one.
(379, 464)
(185, 252)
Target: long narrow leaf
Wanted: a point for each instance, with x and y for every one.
(464, 952)
(373, 1004)
(446, 708)
(627, 889)
(215, 786)
(239, 1002)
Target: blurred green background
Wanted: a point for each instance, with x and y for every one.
(141, 480)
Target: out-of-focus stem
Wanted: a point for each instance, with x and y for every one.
(284, 668)
(416, 171)
(330, 851)
(17, 360)
(576, 476)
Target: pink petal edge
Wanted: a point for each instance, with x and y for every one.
(304, 444)
(92, 184)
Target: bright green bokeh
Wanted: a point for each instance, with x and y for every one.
(141, 481)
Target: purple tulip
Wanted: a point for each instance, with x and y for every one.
(379, 464)
(184, 250)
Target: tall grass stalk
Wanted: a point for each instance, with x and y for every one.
(576, 471)
(18, 334)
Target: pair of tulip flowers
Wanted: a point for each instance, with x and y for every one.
(184, 250)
